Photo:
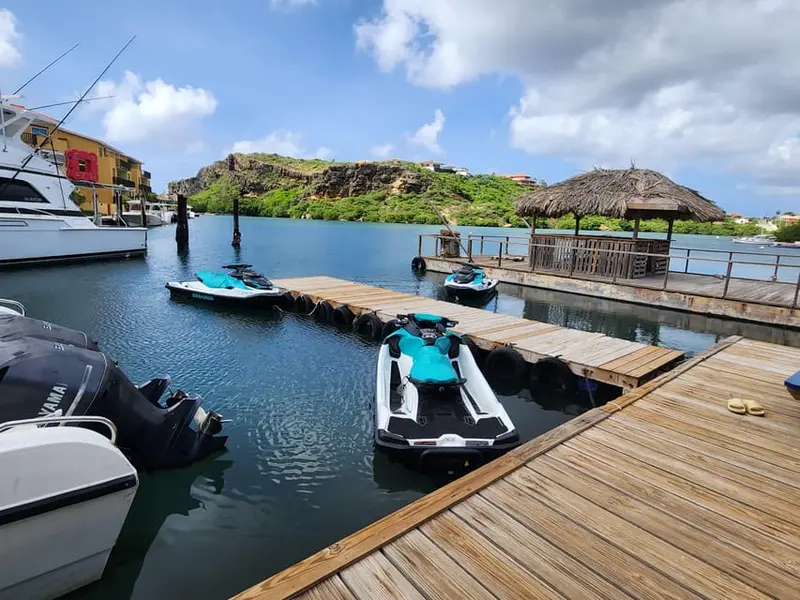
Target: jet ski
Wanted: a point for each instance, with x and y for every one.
(432, 401)
(52, 371)
(469, 282)
(239, 286)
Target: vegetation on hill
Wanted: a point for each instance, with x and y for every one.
(270, 185)
(789, 233)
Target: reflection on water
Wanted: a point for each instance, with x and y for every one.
(300, 471)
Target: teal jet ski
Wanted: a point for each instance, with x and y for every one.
(470, 283)
(240, 286)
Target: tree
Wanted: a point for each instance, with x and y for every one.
(790, 233)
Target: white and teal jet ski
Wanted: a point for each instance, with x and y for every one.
(432, 401)
(469, 282)
(241, 286)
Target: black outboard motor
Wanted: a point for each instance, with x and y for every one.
(43, 375)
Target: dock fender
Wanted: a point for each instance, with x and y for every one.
(553, 373)
(342, 317)
(505, 367)
(303, 304)
(324, 312)
(389, 328)
(286, 301)
(418, 264)
(368, 325)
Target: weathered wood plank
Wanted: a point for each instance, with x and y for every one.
(375, 578)
(328, 589)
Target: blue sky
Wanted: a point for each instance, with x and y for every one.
(347, 79)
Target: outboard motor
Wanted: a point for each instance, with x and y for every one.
(43, 375)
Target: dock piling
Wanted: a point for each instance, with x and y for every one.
(237, 235)
(143, 211)
(182, 228)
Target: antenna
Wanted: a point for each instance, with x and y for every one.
(66, 116)
(70, 102)
(24, 85)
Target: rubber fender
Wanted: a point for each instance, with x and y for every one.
(553, 373)
(368, 325)
(303, 304)
(342, 317)
(324, 312)
(389, 327)
(418, 264)
(286, 301)
(505, 366)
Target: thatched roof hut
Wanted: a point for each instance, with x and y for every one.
(622, 193)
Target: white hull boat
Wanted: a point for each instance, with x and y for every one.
(432, 401)
(72, 491)
(239, 287)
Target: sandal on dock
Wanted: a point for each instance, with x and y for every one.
(737, 405)
(753, 408)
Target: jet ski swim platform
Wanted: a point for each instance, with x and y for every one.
(663, 493)
(593, 356)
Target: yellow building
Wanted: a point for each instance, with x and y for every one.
(114, 168)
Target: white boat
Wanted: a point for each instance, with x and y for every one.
(155, 214)
(39, 223)
(191, 213)
(241, 287)
(73, 489)
(433, 404)
(759, 240)
(786, 244)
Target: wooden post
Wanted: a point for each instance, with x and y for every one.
(688, 252)
(636, 228)
(777, 266)
(577, 225)
(728, 275)
(237, 235)
(532, 245)
(182, 228)
(469, 248)
(669, 229)
(98, 219)
(143, 211)
(419, 245)
(666, 274)
(574, 245)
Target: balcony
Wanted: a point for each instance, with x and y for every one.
(124, 165)
(146, 175)
(30, 139)
(145, 189)
(124, 182)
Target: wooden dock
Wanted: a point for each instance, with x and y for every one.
(662, 493)
(593, 355)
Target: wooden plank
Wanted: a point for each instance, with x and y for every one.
(556, 567)
(777, 507)
(375, 578)
(622, 569)
(631, 481)
(696, 493)
(338, 556)
(682, 566)
(525, 335)
(657, 362)
(698, 539)
(328, 589)
(626, 358)
(497, 570)
(437, 575)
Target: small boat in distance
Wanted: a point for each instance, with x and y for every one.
(470, 283)
(758, 240)
(787, 245)
(240, 286)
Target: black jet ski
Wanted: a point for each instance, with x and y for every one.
(432, 401)
(47, 370)
(470, 283)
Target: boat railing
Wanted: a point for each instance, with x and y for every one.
(71, 420)
(575, 257)
(18, 306)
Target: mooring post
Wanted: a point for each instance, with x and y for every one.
(182, 228)
(143, 211)
(237, 235)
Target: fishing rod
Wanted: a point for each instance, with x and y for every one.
(24, 85)
(66, 116)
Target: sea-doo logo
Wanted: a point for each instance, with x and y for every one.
(50, 406)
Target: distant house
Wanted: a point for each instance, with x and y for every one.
(463, 171)
(522, 179)
(788, 219)
(438, 167)
(430, 165)
(741, 220)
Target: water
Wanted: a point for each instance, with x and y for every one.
(300, 471)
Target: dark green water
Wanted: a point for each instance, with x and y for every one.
(300, 471)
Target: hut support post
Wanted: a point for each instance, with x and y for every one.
(532, 245)
(669, 229)
(574, 245)
(636, 228)
(182, 228)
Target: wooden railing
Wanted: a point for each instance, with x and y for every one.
(596, 262)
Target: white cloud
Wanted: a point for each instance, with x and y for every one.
(9, 37)
(382, 150)
(427, 136)
(663, 82)
(154, 111)
(286, 143)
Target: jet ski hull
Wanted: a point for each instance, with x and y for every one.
(452, 423)
(197, 291)
(469, 291)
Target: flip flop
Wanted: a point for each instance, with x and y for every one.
(753, 408)
(737, 405)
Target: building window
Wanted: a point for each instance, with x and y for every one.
(39, 131)
(17, 190)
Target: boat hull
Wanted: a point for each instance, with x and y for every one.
(197, 292)
(471, 292)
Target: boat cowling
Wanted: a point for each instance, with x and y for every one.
(40, 378)
(17, 326)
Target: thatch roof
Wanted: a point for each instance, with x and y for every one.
(620, 193)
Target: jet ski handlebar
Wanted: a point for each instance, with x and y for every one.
(444, 321)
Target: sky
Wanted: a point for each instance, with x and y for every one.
(706, 91)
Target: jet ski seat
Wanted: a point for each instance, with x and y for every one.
(220, 280)
(468, 274)
(431, 364)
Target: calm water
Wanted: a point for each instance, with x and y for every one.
(300, 471)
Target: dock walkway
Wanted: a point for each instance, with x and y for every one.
(661, 493)
(593, 355)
